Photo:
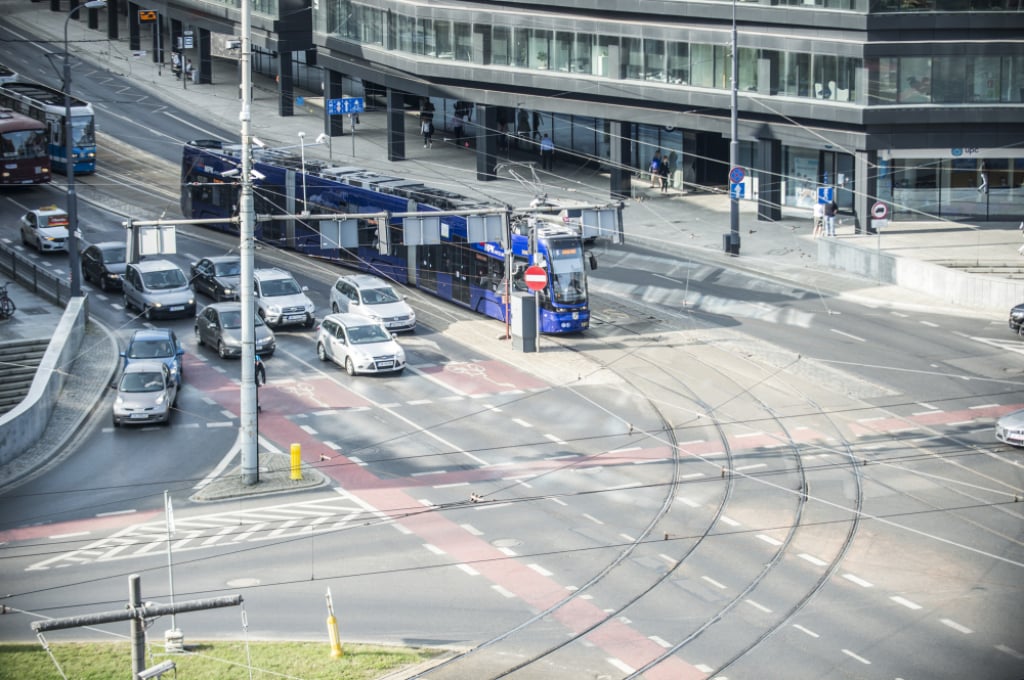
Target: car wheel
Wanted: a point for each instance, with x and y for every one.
(350, 368)
(399, 371)
(117, 423)
(222, 350)
(321, 351)
(24, 241)
(199, 337)
(217, 297)
(127, 303)
(309, 322)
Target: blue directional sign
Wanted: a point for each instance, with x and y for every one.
(825, 194)
(345, 106)
(736, 190)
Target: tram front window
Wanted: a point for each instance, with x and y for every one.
(568, 281)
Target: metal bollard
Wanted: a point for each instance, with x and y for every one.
(332, 628)
(296, 462)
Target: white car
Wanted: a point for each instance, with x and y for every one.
(359, 344)
(1010, 428)
(146, 393)
(45, 229)
(280, 300)
(373, 298)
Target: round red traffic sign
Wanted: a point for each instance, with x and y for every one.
(879, 210)
(536, 278)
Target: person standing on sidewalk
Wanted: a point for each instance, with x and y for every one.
(830, 218)
(819, 219)
(547, 152)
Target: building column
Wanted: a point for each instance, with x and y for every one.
(158, 39)
(486, 142)
(285, 85)
(396, 124)
(205, 65)
(334, 126)
(113, 19)
(621, 141)
(94, 18)
(865, 190)
(55, 6)
(134, 41)
(769, 180)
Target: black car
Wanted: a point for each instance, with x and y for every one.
(1017, 319)
(218, 276)
(104, 264)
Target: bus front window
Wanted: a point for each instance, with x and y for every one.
(568, 280)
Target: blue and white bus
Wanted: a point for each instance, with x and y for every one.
(473, 275)
(47, 105)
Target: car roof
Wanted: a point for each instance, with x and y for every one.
(223, 258)
(351, 320)
(267, 273)
(154, 265)
(146, 366)
(366, 281)
(224, 306)
(107, 245)
(152, 334)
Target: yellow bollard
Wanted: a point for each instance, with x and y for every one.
(332, 628)
(296, 462)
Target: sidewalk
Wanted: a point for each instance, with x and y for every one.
(688, 225)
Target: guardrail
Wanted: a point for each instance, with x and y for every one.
(28, 274)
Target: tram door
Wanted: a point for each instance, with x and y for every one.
(837, 171)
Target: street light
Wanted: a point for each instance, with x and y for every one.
(69, 162)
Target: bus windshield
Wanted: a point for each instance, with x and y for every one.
(568, 280)
(23, 144)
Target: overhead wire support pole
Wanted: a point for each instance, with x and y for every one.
(734, 143)
(248, 432)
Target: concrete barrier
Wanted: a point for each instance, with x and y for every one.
(22, 427)
(956, 287)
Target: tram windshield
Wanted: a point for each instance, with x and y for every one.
(568, 280)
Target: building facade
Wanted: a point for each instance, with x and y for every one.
(915, 103)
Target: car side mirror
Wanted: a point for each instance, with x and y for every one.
(305, 289)
(180, 352)
(121, 354)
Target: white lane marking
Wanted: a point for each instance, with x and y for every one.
(757, 605)
(472, 529)
(449, 486)
(627, 537)
(1010, 650)
(185, 122)
(769, 540)
(649, 460)
(554, 439)
(692, 475)
(334, 447)
(670, 560)
(208, 401)
(468, 569)
(857, 657)
(559, 501)
(929, 324)
(983, 406)
(521, 423)
(752, 466)
(503, 592)
(956, 626)
(905, 602)
(848, 335)
(508, 551)
(856, 579)
(730, 521)
(428, 472)
(704, 668)
(631, 485)
(813, 560)
(308, 430)
(539, 569)
(71, 535)
(625, 668)
(116, 512)
(219, 425)
(433, 548)
(687, 501)
(625, 450)
(593, 519)
(659, 641)
(806, 630)
(720, 586)
(748, 434)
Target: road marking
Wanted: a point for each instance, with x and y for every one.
(433, 548)
(620, 665)
(334, 447)
(769, 540)
(503, 592)
(220, 425)
(670, 560)
(905, 602)
(857, 657)
(720, 586)
(848, 335)
(693, 475)
(929, 324)
(1011, 651)
(308, 429)
(555, 439)
(659, 641)
(651, 460)
(472, 529)
(757, 605)
(813, 560)
(540, 570)
(687, 501)
(449, 486)
(859, 581)
(116, 513)
(752, 466)
(593, 519)
(468, 569)
(71, 535)
(728, 520)
(521, 423)
(806, 630)
(956, 626)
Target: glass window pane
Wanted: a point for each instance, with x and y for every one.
(1012, 79)
(540, 49)
(443, 39)
(915, 80)
(501, 46)
(949, 79)
(425, 38)
(982, 81)
(678, 63)
(634, 59)
(702, 65)
(654, 60)
(748, 70)
(463, 41)
(607, 57)
(562, 60)
(824, 76)
(582, 53)
(522, 47)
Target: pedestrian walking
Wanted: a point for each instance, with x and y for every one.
(819, 219)
(458, 127)
(547, 152)
(655, 168)
(427, 128)
(830, 218)
(261, 380)
(663, 174)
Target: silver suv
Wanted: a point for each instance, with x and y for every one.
(280, 300)
(158, 288)
(373, 298)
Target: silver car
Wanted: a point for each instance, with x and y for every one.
(220, 325)
(158, 288)
(373, 298)
(1010, 428)
(359, 344)
(146, 393)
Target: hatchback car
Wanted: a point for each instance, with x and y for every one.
(158, 288)
(45, 229)
(280, 300)
(220, 325)
(146, 393)
(1017, 319)
(373, 298)
(1010, 428)
(218, 276)
(104, 264)
(161, 344)
(359, 344)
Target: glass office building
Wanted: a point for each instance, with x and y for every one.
(919, 103)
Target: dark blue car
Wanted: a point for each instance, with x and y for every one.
(157, 343)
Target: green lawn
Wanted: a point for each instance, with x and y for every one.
(209, 661)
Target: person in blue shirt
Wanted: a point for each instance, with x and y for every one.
(547, 152)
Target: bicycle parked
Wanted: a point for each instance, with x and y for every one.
(7, 305)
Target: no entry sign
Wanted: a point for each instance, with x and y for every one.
(536, 278)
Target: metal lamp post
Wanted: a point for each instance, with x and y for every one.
(69, 161)
(734, 143)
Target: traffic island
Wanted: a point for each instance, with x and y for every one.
(275, 476)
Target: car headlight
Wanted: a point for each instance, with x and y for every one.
(119, 402)
(228, 291)
(273, 309)
(310, 308)
(160, 399)
(157, 304)
(400, 355)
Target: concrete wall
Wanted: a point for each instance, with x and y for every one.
(22, 427)
(958, 288)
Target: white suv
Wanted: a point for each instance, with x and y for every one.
(373, 298)
(280, 300)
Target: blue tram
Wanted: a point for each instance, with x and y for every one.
(473, 275)
(48, 106)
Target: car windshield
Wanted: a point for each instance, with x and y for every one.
(164, 279)
(141, 382)
(233, 319)
(114, 255)
(278, 287)
(150, 349)
(365, 335)
(379, 296)
(227, 269)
